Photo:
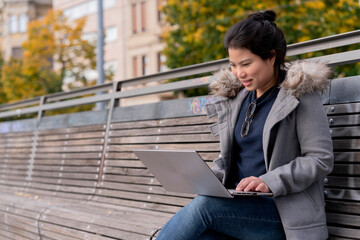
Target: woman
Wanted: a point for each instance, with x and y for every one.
(274, 137)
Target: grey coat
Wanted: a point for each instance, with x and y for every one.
(296, 143)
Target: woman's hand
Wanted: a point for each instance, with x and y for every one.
(252, 184)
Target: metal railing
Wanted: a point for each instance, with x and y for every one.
(114, 91)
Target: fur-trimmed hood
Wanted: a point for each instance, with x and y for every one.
(302, 77)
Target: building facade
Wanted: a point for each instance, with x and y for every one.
(132, 36)
(14, 17)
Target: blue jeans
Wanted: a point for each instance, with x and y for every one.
(245, 218)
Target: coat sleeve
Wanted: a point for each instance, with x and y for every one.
(315, 160)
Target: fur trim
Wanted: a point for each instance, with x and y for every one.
(306, 77)
(225, 84)
(302, 77)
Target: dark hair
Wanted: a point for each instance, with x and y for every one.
(260, 35)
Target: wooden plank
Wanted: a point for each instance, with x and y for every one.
(346, 169)
(343, 207)
(347, 108)
(68, 156)
(342, 194)
(164, 122)
(348, 157)
(161, 208)
(343, 219)
(197, 146)
(141, 188)
(113, 157)
(344, 120)
(84, 142)
(64, 168)
(346, 144)
(92, 228)
(86, 129)
(72, 149)
(343, 182)
(151, 198)
(64, 233)
(160, 131)
(345, 132)
(188, 138)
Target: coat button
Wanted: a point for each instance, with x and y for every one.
(326, 180)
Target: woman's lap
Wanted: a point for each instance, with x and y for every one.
(211, 217)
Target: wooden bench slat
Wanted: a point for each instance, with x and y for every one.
(141, 188)
(71, 149)
(84, 142)
(86, 156)
(343, 182)
(163, 199)
(196, 146)
(188, 138)
(351, 157)
(344, 232)
(54, 231)
(137, 204)
(344, 120)
(346, 144)
(342, 194)
(85, 129)
(346, 169)
(345, 132)
(160, 131)
(343, 219)
(343, 206)
(346, 108)
(164, 122)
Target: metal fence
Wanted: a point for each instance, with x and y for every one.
(114, 91)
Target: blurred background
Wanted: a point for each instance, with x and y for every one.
(49, 46)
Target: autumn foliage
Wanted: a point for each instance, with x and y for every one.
(54, 51)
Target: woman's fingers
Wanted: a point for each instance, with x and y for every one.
(252, 184)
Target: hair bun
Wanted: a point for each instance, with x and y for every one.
(268, 15)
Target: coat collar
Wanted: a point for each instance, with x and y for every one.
(302, 77)
(284, 104)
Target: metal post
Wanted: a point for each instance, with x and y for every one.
(100, 51)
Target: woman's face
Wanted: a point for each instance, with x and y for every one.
(254, 72)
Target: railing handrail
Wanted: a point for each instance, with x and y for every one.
(51, 100)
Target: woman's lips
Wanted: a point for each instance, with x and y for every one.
(246, 82)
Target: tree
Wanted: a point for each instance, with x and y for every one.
(195, 29)
(54, 51)
(3, 98)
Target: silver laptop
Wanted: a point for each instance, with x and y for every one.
(186, 172)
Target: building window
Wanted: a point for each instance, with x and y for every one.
(160, 14)
(87, 8)
(145, 65)
(134, 18)
(17, 52)
(135, 67)
(138, 17)
(111, 34)
(13, 24)
(161, 63)
(143, 16)
(23, 21)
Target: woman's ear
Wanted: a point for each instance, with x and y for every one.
(273, 57)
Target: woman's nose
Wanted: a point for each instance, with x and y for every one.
(239, 73)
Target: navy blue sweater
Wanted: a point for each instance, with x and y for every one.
(248, 150)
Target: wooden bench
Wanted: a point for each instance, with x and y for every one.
(74, 176)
